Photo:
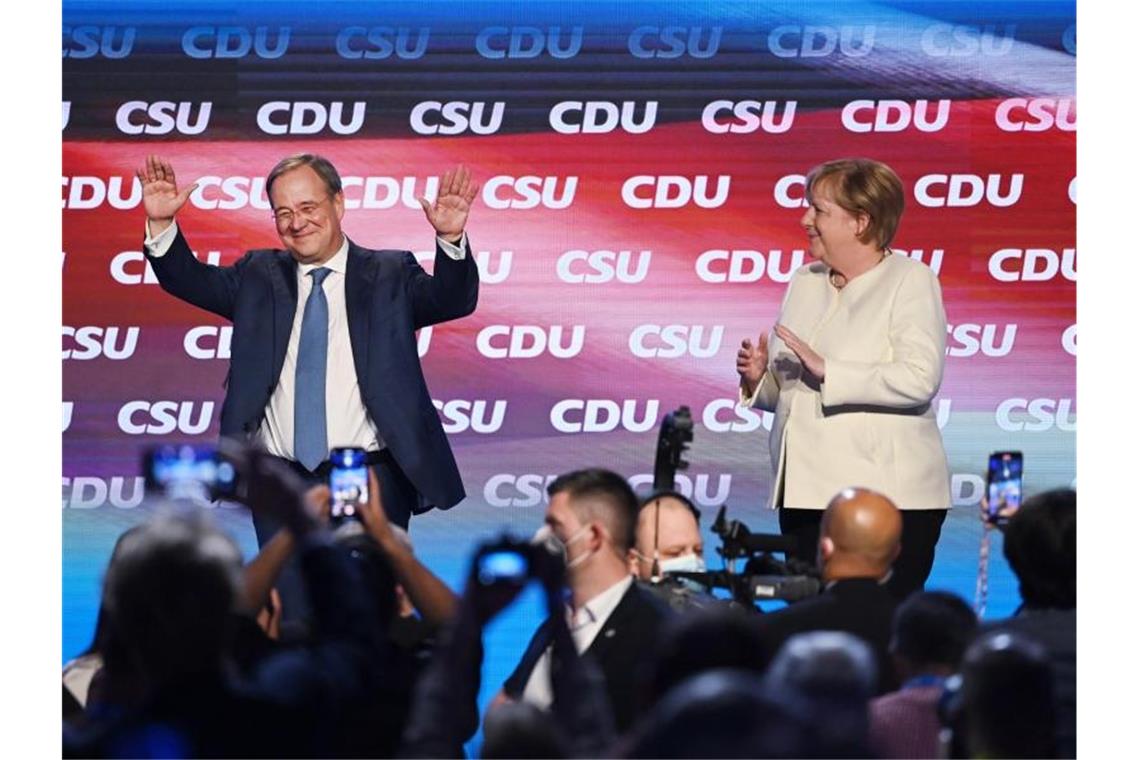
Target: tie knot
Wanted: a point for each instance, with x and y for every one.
(319, 274)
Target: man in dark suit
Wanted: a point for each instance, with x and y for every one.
(859, 539)
(328, 319)
(613, 620)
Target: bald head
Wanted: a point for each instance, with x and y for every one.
(859, 534)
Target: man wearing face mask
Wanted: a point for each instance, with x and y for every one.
(590, 520)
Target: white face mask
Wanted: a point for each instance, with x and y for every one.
(686, 563)
(546, 537)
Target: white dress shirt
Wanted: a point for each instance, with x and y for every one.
(347, 420)
(585, 625)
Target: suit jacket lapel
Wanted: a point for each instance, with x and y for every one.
(283, 277)
(603, 642)
(358, 277)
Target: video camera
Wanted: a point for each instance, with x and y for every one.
(763, 576)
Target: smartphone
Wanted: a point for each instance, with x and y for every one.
(189, 471)
(1003, 486)
(500, 565)
(348, 482)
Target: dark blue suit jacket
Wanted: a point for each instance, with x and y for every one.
(388, 297)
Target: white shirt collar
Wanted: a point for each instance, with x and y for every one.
(598, 609)
(338, 263)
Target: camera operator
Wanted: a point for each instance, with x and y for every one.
(590, 520)
(668, 540)
(859, 539)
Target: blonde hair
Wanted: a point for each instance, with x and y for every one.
(863, 186)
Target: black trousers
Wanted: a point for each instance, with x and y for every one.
(921, 531)
(400, 500)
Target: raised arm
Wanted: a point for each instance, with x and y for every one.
(453, 290)
(179, 273)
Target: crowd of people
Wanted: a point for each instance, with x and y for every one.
(189, 659)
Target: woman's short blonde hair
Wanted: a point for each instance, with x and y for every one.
(863, 186)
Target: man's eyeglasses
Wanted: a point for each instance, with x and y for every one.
(309, 211)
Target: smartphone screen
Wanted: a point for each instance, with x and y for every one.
(1003, 485)
(498, 566)
(189, 471)
(348, 482)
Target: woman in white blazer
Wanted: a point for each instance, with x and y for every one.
(852, 368)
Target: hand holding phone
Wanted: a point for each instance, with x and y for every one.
(1003, 486)
(190, 471)
(348, 484)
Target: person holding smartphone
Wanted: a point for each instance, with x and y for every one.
(852, 367)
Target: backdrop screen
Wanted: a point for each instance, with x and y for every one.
(641, 169)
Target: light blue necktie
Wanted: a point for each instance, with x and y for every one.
(310, 435)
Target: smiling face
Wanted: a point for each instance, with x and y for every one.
(307, 216)
(831, 229)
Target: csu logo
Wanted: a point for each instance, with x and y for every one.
(747, 266)
(208, 342)
(674, 41)
(164, 417)
(507, 490)
(594, 117)
(967, 190)
(89, 492)
(91, 192)
(1037, 264)
(790, 41)
(529, 341)
(460, 416)
(163, 117)
(309, 118)
(235, 42)
(144, 275)
(92, 342)
(675, 341)
(497, 42)
(747, 116)
(969, 339)
(1036, 114)
(529, 192)
(92, 41)
(959, 41)
(603, 266)
(1036, 415)
(380, 42)
(456, 117)
(744, 419)
(602, 415)
(671, 191)
(894, 116)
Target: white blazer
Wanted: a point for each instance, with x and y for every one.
(871, 422)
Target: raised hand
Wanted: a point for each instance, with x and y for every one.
(811, 361)
(161, 197)
(449, 212)
(752, 362)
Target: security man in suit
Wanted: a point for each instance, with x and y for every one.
(613, 620)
